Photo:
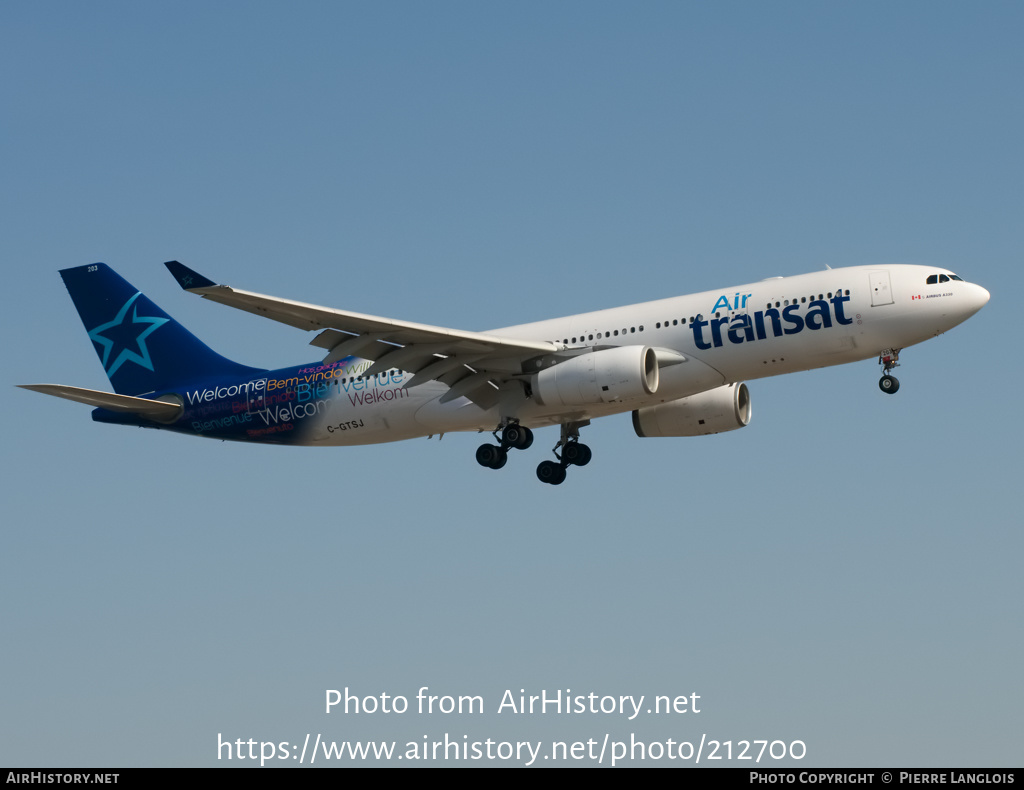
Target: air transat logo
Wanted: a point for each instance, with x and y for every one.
(772, 321)
(129, 334)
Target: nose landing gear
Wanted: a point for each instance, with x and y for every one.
(889, 359)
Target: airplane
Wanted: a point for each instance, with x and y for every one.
(678, 364)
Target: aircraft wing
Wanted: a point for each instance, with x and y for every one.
(472, 364)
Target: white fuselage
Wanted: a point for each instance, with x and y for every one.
(775, 326)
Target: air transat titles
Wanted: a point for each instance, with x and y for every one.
(788, 320)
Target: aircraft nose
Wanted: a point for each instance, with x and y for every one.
(977, 298)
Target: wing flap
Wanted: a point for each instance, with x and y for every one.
(438, 368)
(466, 386)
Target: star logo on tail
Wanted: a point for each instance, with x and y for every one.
(129, 332)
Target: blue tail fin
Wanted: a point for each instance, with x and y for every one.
(142, 349)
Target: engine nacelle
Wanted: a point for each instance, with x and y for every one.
(721, 409)
(607, 376)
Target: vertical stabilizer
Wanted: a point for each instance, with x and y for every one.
(141, 348)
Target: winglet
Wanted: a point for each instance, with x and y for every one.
(186, 277)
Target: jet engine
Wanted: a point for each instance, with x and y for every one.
(607, 376)
(721, 409)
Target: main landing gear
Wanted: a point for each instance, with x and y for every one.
(513, 437)
(889, 359)
(517, 437)
(574, 453)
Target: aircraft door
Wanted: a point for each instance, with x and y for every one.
(881, 288)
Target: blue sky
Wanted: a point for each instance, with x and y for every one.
(844, 571)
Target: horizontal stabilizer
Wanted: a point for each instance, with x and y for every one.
(156, 410)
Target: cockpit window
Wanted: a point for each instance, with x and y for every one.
(936, 279)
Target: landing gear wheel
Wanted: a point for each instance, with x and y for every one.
(889, 384)
(491, 456)
(889, 358)
(551, 472)
(517, 436)
(576, 454)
